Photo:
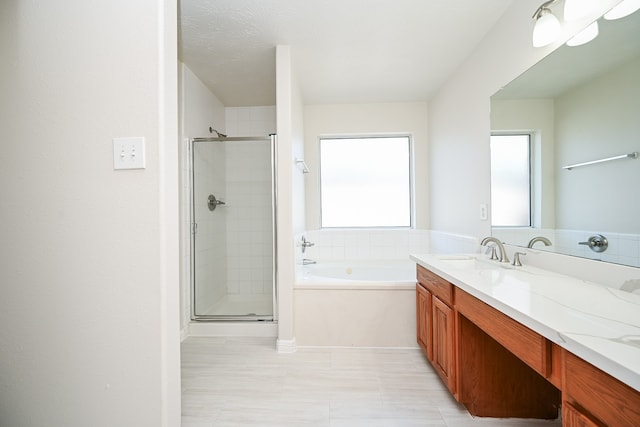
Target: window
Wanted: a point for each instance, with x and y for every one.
(511, 180)
(365, 181)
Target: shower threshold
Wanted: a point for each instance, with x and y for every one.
(238, 307)
(251, 317)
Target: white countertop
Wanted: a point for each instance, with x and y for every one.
(597, 323)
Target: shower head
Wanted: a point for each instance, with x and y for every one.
(220, 135)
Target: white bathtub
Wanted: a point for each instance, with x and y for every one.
(374, 274)
(356, 303)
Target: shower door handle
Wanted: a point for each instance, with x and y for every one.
(213, 203)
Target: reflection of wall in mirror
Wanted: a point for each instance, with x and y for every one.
(596, 120)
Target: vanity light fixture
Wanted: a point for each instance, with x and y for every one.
(622, 9)
(584, 36)
(547, 26)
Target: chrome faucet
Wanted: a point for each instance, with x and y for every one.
(307, 261)
(544, 240)
(503, 254)
(516, 259)
(305, 244)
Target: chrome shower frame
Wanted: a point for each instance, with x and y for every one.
(272, 138)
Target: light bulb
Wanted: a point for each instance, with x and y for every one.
(584, 36)
(624, 8)
(577, 9)
(546, 29)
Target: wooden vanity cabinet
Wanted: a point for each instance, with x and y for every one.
(529, 346)
(504, 367)
(497, 367)
(478, 366)
(592, 397)
(436, 324)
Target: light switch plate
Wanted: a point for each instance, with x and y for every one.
(128, 153)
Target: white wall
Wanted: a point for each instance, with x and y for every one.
(459, 118)
(350, 119)
(201, 108)
(89, 261)
(290, 212)
(251, 121)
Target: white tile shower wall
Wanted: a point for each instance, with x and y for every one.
(249, 218)
(250, 121)
(623, 248)
(249, 221)
(210, 239)
(350, 244)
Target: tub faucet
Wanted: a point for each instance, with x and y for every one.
(503, 254)
(306, 261)
(544, 240)
(305, 244)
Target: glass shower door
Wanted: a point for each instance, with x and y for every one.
(233, 231)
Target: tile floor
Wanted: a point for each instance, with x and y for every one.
(245, 382)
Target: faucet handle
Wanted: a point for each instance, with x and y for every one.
(305, 244)
(516, 259)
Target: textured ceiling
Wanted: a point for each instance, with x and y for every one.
(344, 51)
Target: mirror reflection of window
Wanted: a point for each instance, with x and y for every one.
(511, 180)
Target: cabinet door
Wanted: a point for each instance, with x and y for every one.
(571, 417)
(443, 342)
(423, 320)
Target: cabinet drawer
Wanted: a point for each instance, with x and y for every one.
(529, 346)
(604, 397)
(436, 285)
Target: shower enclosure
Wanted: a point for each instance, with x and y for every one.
(233, 228)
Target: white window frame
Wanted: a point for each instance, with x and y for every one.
(411, 179)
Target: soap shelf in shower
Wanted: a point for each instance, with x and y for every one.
(301, 162)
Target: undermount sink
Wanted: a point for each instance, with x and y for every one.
(467, 262)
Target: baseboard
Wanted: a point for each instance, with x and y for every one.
(286, 346)
(363, 347)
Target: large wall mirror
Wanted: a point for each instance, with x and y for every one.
(578, 105)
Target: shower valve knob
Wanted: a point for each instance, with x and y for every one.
(213, 203)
